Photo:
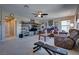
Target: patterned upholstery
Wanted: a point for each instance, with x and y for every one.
(74, 34)
(67, 42)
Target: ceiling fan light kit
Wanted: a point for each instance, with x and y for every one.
(39, 15)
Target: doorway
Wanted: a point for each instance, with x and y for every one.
(10, 27)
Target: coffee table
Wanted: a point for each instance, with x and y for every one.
(44, 35)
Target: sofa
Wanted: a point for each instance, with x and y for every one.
(67, 41)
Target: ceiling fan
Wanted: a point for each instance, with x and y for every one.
(39, 14)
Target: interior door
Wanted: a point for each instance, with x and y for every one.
(10, 28)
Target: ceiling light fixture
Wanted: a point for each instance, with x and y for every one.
(11, 14)
(26, 6)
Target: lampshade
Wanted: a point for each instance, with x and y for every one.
(77, 20)
(71, 25)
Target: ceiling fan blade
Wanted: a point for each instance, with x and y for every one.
(44, 14)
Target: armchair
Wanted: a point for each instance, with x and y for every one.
(67, 42)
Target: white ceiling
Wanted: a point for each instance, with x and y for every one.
(53, 10)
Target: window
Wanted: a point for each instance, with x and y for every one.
(65, 25)
(78, 24)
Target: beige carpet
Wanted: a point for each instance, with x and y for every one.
(25, 46)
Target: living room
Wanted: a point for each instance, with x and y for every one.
(23, 25)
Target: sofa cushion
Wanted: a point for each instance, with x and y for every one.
(73, 34)
(77, 43)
